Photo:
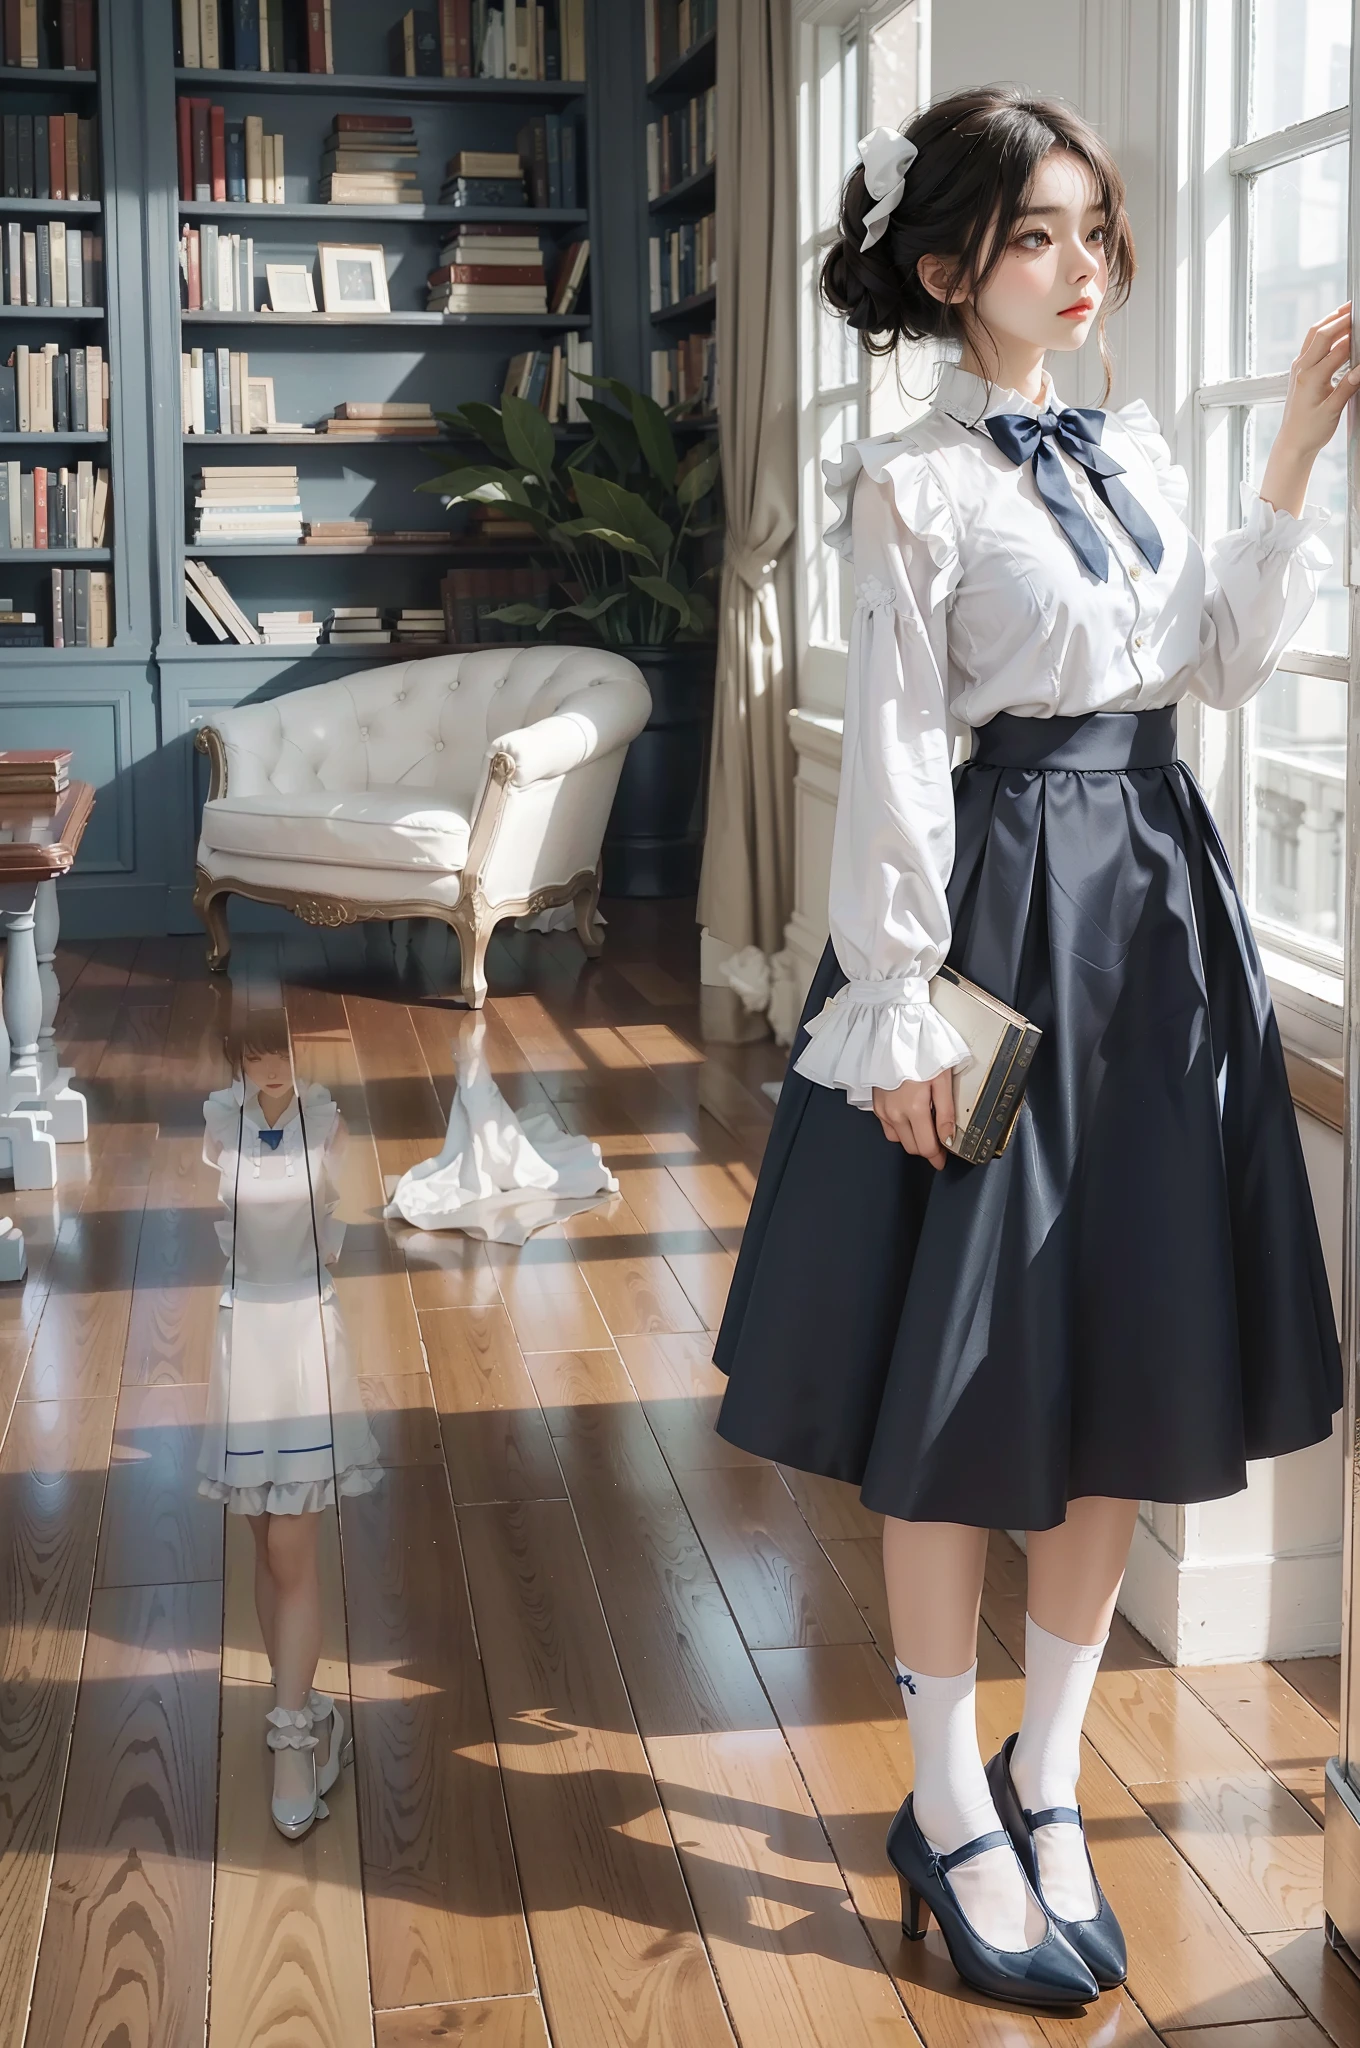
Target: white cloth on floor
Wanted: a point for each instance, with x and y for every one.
(499, 1176)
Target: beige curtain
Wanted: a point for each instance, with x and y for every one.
(746, 885)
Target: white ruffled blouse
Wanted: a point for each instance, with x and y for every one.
(969, 601)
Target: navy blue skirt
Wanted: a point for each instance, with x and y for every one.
(1132, 1299)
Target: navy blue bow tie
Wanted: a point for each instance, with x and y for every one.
(273, 1139)
(1077, 430)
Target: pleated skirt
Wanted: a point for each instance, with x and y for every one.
(1132, 1299)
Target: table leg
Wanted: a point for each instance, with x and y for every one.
(27, 1147)
(52, 1091)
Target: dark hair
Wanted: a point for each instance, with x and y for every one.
(253, 1033)
(977, 155)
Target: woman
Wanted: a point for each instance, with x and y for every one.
(285, 1423)
(1130, 1302)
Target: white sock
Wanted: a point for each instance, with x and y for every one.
(953, 1803)
(1046, 1760)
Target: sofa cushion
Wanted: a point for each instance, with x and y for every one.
(367, 828)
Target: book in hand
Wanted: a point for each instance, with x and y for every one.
(989, 1089)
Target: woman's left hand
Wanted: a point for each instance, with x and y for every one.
(1312, 408)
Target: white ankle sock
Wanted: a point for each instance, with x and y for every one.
(1046, 1760)
(953, 1803)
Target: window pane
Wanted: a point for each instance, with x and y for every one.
(1325, 630)
(1300, 61)
(1296, 265)
(893, 89)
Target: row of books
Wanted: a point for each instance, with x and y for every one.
(548, 148)
(217, 270)
(671, 27)
(491, 39)
(257, 501)
(370, 160)
(255, 35)
(54, 508)
(46, 389)
(553, 379)
(682, 143)
(687, 371)
(683, 262)
(218, 395)
(26, 772)
(469, 595)
(81, 616)
(58, 37)
(49, 156)
(220, 162)
(52, 264)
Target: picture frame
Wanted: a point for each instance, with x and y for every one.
(353, 277)
(290, 288)
(259, 405)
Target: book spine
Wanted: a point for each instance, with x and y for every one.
(42, 162)
(25, 156)
(40, 508)
(254, 159)
(263, 32)
(190, 49)
(316, 36)
(71, 141)
(84, 35)
(202, 158)
(58, 623)
(217, 150)
(82, 638)
(236, 163)
(56, 157)
(208, 35)
(85, 159)
(246, 35)
(194, 279)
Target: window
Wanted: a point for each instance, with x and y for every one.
(858, 68)
(1268, 244)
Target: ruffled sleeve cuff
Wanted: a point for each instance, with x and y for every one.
(1269, 531)
(877, 1034)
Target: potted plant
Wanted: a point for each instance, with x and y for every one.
(627, 521)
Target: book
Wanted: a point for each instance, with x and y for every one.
(372, 124)
(245, 35)
(190, 52)
(208, 35)
(413, 44)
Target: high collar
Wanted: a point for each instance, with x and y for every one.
(971, 398)
(254, 1115)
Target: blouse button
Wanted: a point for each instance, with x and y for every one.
(1134, 569)
(1137, 639)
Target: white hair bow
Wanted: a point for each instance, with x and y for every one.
(887, 157)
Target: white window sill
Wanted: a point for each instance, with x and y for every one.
(1307, 1003)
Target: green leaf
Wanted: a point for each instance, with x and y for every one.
(595, 607)
(529, 437)
(520, 614)
(623, 512)
(654, 438)
(589, 529)
(666, 593)
(615, 434)
(483, 420)
(623, 392)
(488, 486)
(698, 480)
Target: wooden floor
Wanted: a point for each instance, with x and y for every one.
(628, 1739)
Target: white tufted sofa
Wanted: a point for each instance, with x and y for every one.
(468, 787)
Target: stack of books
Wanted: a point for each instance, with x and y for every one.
(48, 156)
(392, 419)
(256, 502)
(486, 271)
(370, 160)
(551, 379)
(218, 162)
(329, 533)
(50, 259)
(39, 772)
(209, 597)
(425, 627)
(547, 151)
(51, 390)
(49, 38)
(53, 508)
(289, 629)
(255, 35)
(484, 177)
(217, 270)
(358, 536)
(18, 629)
(357, 625)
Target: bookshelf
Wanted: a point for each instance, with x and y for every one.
(682, 59)
(131, 711)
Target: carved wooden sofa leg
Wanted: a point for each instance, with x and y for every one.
(588, 927)
(474, 936)
(211, 904)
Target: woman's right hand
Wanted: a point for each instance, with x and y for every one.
(918, 1114)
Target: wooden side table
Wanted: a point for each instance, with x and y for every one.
(39, 1109)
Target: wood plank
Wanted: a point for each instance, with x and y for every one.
(1275, 1722)
(51, 1488)
(444, 1911)
(681, 1390)
(158, 1529)
(124, 1952)
(546, 1293)
(1318, 1679)
(1257, 1850)
(635, 1289)
(495, 1438)
(173, 1321)
(447, 1269)
(78, 1351)
(490, 2023)
(619, 1956)
(288, 1952)
(401, 1413)
(793, 1962)
(831, 1507)
(781, 1588)
(1326, 1985)
(1299, 2033)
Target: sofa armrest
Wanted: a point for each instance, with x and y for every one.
(596, 720)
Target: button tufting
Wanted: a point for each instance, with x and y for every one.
(439, 746)
(363, 732)
(401, 696)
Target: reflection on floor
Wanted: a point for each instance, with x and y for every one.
(627, 1736)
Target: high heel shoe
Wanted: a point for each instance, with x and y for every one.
(291, 1728)
(323, 1708)
(1049, 1974)
(1099, 1941)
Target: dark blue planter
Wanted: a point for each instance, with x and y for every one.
(655, 837)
